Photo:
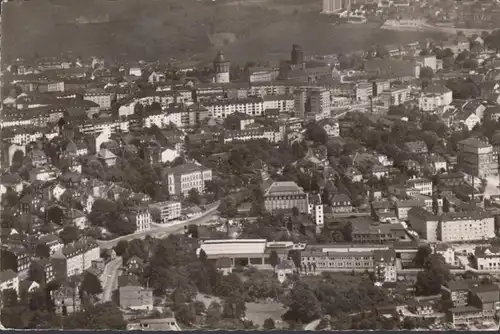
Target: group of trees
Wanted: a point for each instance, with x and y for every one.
(36, 309)
(436, 272)
(109, 215)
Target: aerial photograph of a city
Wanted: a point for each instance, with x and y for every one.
(197, 165)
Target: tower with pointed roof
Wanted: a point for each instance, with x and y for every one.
(221, 68)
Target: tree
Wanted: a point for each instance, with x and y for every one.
(9, 297)
(294, 255)
(203, 256)
(422, 255)
(303, 305)
(436, 273)
(214, 314)
(295, 211)
(94, 317)
(17, 160)
(234, 308)
(36, 273)
(69, 234)
(42, 251)
(55, 215)
(269, 324)
(121, 247)
(426, 75)
(194, 196)
(316, 133)
(91, 285)
(186, 314)
(274, 260)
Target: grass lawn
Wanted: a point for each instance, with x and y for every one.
(258, 312)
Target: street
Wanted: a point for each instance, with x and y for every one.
(109, 278)
(161, 231)
(492, 186)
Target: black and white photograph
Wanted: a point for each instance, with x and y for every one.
(252, 165)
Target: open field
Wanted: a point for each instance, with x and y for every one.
(259, 312)
(168, 29)
(256, 312)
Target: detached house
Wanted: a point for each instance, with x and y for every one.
(107, 157)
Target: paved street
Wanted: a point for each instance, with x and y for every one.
(492, 186)
(206, 217)
(109, 278)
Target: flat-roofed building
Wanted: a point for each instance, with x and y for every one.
(241, 252)
(166, 211)
(477, 158)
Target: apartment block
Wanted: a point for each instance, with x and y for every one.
(184, 177)
(164, 212)
(477, 158)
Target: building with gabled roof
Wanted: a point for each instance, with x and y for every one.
(75, 258)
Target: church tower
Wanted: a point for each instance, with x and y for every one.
(221, 68)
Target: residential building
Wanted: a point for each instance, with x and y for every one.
(66, 299)
(366, 231)
(477, 158)
(384, 262)
(394, 96)
(132, 295)
(181, 179)
(452, 226)
(458, 291)
(316, 210)
(52, 241)
(99, 96)
(487, 258)
(164, 324)
(423, 185)
(142, 219)
(435, 96)
(164, 212)
(9, 280)
(464, 315)
(15, 258)
(75, 258)
(253, 106)
(283, 103)
(364, 91)
(336, 6)
(487, 298)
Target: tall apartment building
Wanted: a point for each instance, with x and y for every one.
(316, 210)
(312, 103)
(477, 158)
(165, 211)
(335, 6)
(385, 265)
(184, 177)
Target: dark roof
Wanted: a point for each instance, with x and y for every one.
(7, 275)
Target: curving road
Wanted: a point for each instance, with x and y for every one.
(109, 278)
(161, 231)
